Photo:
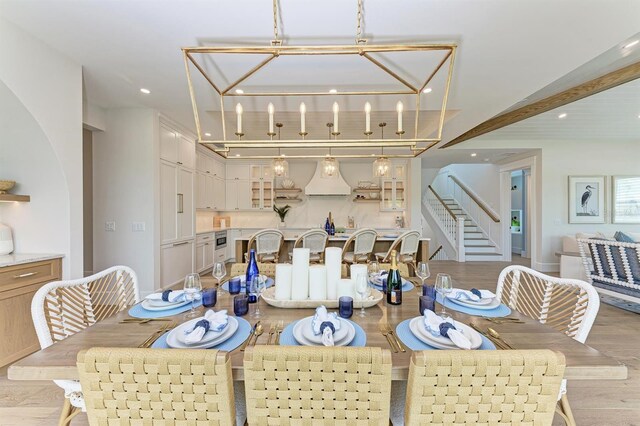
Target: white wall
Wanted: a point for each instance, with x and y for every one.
(49, 86)
(483, 179)
(124, 191)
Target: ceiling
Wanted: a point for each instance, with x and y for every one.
(507, 50)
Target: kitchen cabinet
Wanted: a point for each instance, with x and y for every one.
(176, 203)
(232, 234)
(261, 194)
(237, 194)
(237, 171)
(219, 193)
(393, 189)
(176, 148)
(210, 182)
(199, 257)
(176, 261)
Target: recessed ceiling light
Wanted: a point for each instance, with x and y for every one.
(473, 154)
(207, 134)
(145, 91)
(633, 43)
(563, 115)
(427, 90)
(333, 90)
(638, 115)
(239, 91)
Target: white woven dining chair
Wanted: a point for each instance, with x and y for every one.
(570, 306)
(315, 240)
(408, 242)
(363, 241)
(60, 309)
(268, 244)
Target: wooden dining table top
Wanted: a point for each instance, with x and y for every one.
(58, 361)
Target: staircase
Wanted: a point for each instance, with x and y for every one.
(477, 247)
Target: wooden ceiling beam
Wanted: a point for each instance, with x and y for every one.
(581, 91)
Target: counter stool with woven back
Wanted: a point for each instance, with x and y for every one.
(268, 243)
(363, 241)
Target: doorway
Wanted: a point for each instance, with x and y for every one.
(87, 197)
(519, 227)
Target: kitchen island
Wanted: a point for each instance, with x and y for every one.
(383, 242)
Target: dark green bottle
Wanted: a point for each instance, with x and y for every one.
(394, 282)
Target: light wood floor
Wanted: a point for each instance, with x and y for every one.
(616, 333)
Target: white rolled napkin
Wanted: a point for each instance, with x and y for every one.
(300, 274)
(216, 321)
(460, 294)
(321, 316)
(333, 262)
(283, 281)
(317, 282)
(379, 277)
(174, 296)
(432, 324)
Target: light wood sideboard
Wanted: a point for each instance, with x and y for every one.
(18, 284)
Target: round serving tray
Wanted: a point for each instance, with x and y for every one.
(269, 297)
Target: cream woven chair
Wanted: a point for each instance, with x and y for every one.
(404, 270)
(316, 241)
(268, 269)
(62, 308)
(483, 387)
(408, 242)
(125, 386)
(304, 385)
(570, 306)
(363, 241)
(268, 244)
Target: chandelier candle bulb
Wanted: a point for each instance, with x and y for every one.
(336, 110)
(283, 281)
(239, 117)
(318, 282)
(300, 274)
(399, 108)
(303, 112)
(333, 261)
(367, 117)
(271, 110)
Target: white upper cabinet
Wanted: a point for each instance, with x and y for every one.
(168, 145)
(219, 169)
(237, 171)
(176, 148)
(261, 172)
(186, 152)
(219, 194)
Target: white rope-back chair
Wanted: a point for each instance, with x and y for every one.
(363, 241)
(315, 240)
(60, 309)
(268, 243)
(570, 306)
(408, 242)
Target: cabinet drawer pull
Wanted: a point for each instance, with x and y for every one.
(180, 244)
(28, 274)
(178, 162)
(180, 203)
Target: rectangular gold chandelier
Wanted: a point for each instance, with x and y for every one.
(226, 143)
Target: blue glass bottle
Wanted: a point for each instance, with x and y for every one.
(252, 271)
(332, 229)
(327, 226)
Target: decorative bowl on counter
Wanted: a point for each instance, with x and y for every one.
(287, 184)
(364, 184)
(6, 185)
(374, 195)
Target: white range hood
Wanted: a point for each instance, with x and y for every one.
(327, 186)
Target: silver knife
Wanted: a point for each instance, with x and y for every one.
(253, 331)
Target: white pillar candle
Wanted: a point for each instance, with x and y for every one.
(271, 110)
(300, 274)
(318, 282)
(239, 117)
(356, 270)
(333, 261)
(303, 112)
(367, 117)
(336, 110)
(399, 108)
(283, 281)
(346, 288)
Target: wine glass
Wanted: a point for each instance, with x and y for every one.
(444, 286)
(373, 269)
(362, 287)
(192, 290)
(258, 286)
(219, 271)
(422, 271)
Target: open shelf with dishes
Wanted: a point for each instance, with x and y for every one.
(287, 195)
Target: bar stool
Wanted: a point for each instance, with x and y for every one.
(363, 241)
(408, 253)
(316, 241)
(268, 244)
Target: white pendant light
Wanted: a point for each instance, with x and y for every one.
(381, 167)
(280, 167)
(329, 167)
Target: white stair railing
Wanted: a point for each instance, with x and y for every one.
(451, 225)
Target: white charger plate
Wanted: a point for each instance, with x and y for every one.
(146, 304)
(493, 303)
(173, 339)
(299, 335)
(440, 342)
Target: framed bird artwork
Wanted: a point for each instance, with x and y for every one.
(587, 203)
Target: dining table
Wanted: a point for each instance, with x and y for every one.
(58, 361)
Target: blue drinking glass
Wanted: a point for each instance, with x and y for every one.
(345, 306)
(209, 297)
(235, 285)
(429, 290)
(427, 302)
(240, 305)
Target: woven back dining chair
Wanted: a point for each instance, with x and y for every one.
(157, 386)
(407, 247)
(404, 269)
(310, 385)
(268, 243)
(570, 306)
(268, 269)
(316, 241)
(60, 309)
(483, 387)
(363, 241)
